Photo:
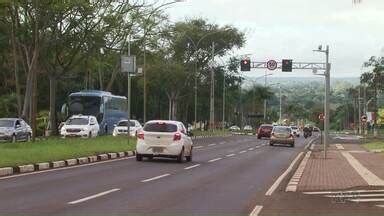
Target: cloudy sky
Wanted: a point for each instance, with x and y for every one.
(277, 29)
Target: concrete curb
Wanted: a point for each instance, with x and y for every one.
(25, 168)
(7, 171)
(57, 164)
(42, 166)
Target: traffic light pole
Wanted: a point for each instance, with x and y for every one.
(326, 103)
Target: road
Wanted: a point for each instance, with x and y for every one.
(228, 175)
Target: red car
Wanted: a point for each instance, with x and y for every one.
(264, 131)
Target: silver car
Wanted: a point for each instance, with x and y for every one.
(14, 129)
(282, 135)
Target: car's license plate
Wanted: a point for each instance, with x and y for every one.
(157, 149)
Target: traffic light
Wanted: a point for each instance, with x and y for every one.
(245, 65)
(286, 65)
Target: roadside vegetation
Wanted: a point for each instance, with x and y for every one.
(14, 154)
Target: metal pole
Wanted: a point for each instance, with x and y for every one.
(223, 122)
(145, 85)
(265, 100)
(359, 116)
(129, 91)
(196, 92)
(212, 100)
(326, 104)
(280, 105)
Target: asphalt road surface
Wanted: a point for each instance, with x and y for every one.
(228, 175)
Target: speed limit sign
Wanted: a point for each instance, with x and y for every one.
(271, 64)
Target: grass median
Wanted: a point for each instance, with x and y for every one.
(375, 146)
(14, 154)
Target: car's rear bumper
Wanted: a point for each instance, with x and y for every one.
(172, 150)
(5, 138)
(281, 141)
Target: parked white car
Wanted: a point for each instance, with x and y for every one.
(80, 126)
(161, 138)
(121, 128)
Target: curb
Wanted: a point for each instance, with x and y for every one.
(8, 171)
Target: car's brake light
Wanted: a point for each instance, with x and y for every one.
(177, 137)
(140, 135)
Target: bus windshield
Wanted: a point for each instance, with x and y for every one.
(85, 105)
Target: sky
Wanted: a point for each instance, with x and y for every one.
(279, 29)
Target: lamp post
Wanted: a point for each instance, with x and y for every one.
(144, 56)
(326, 96)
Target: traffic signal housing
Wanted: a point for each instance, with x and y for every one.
(286, 65)
(245, 65)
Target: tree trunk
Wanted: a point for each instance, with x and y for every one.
(52, 105)
(16, 70)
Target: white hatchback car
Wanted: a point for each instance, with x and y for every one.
(121, 128)
(80, 126)
(161, 138)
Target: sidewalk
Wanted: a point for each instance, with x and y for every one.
(347, 166)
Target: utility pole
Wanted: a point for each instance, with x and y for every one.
(212, 94)
(223, 121)
(359, 116)
(265, 100)
(327, 99)
(280, 105)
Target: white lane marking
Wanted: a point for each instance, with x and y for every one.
(155, 178)
(212, 144)
(250, 149)
(366, 200)
(242, 152)
(213, 160)
(280, 179)
(66, 168)
(191, 167)
(230, 155)
(354, 195)
(263, 144)
(256, 211)
(380, 206)
(342, 192)
(367, 175)
(221, 143)
(339, 146)
(258, 146)
(93, 196)
(197, 147)
(292, 185)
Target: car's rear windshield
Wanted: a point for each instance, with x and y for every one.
(6, 123)
(124, 123)
(282, 130)
(77, 121)
(266, 126)
(160, 127)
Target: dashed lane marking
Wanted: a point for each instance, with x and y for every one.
(256, 211)
(213, 160)
(230, 155)
(341, 192)
(280, 179)
(93, 196)
(242, 152)
(155, 178)
(251, 149)
(191, 167)
(198, 147)
(212, 144)
(292, 185)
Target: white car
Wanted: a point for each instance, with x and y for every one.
(161, 138)
(80, 126)
(295, 130)
(121, 128)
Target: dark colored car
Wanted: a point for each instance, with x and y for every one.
(14, 129)
(264, 131)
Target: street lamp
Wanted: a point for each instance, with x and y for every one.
(327, 96)
(144, 55)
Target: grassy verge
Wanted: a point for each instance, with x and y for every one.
(375, 145)
(210, 133)
(13, 154)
